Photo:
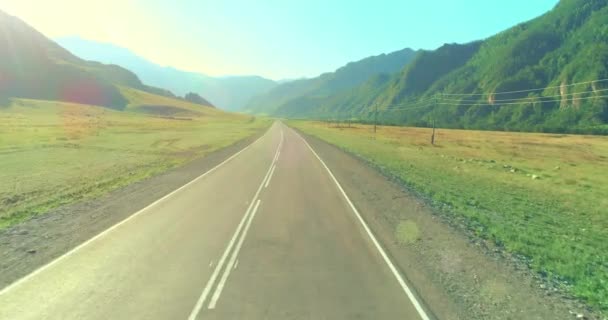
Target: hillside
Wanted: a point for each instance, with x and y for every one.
(35, 67)
(62, 152)
(564, 46)
(470, 85)
(56, 107)
(306, 93)
(148, 103)
(230, 93)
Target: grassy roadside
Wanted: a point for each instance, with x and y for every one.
(54, 153)
(538, 196)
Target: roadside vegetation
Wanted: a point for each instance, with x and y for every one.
(540, 198)
(55, 153)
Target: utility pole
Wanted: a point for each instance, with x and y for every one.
(433, 119)
(350, 118)
(375, 118)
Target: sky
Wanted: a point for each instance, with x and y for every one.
(278, 39)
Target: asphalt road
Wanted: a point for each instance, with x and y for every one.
(268, 234)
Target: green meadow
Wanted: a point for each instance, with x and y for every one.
(56, 153)
(540, 197)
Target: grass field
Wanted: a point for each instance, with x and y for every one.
(55, 153)
(541, 197)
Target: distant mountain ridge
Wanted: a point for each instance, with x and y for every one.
(230, 93)
(304, 93)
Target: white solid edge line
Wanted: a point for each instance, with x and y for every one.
(271, 173)
(103, 233)
(230, 266)
(218, 267)
(388, 261)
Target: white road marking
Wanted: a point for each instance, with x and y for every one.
(276, 156)
(222, 283)
(236, 264)
(218, 267)
(211, 264)
(107, 231)
(270, 177)
(388, 261)
(214, 275)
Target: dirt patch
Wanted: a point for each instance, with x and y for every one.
(440, 261)
(35, 242)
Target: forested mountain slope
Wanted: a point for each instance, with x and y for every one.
(550, 62)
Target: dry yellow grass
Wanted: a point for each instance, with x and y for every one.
(54, 153)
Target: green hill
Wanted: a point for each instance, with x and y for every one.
(32, 66)
(564, 46)
(73, 130)
(306, 93)
(471, 85)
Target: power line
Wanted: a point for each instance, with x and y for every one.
(526, 90)
(417, 105)
(389, 108)
(527, 98)
(426, 102)
(470, 104)
(392, 107)
(412, 108)
(401, 104)
(473, 104)
(421, 104)
(515, 103)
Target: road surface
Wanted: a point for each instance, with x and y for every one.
(267, 234)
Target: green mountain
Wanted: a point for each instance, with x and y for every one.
(548, 61)
(230, 93)
(308, 93)
(384, 88)
(567, 45)
(32, 66)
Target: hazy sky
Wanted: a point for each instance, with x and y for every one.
(273, 38)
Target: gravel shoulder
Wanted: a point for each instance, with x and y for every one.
(440, 261)
(35, 242)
